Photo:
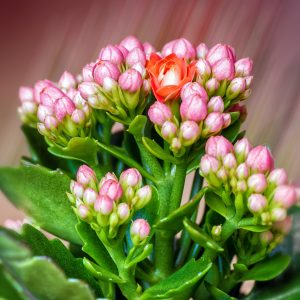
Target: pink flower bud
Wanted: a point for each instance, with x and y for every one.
(112, 189)
(285, 195)
(256, 203)
(140, 68)
(203, 68)
(260, 159)
(212, 86)
(241, 186)
(146, 86)
(62, 107)
(214, 122)
(226, 119)
(87, 72)
(278, 177)
(249, 80)
(218, 146)
(159, 113)
(83, 211)
(26, 94)
(236, 86)
(242, 148)
(229, 161)
(49, 95)
(193, 88)
(78, 116)
(86, 176)
(108, 176)
(209, 164)
(243, 67)
(67, 81)
(193, 108)
(144, 194)
(223, 69)
(103, 69)
(284, 226)
(39, 87)
(168, 130)
(266, 237)
(182, 48)
(175, 145)
(201, 50)
(123, 212)
(43, 112)
(77, 189)
(189, 132)
(112, 54)
(51, 122)
(90, 196)
(242, 171)
(131, 42)
(135, 56)
(123, 50)
(216, 104)
(278, 214)
(131, 81)
(219, 52)
(88, 89)
(222, 174)
(131, 177)
(149, 49)
(139, 231)
(29, 107)
(257, 183)
(104, 205)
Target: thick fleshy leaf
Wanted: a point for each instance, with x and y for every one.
(201, 237)
(174, 220)
(41, 194)
(179, 281)
(268, 268)
(255, 228)
(232, 131)
(137, 126)
(82, 149)
(217, 293)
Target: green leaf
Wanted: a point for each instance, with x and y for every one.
(216, 204)
(217, 293)
(254, 228)
(139, 256)
(201, 237)
(82, 149)
(94, 247)
(268, 268)
(174, 220)
(41, 194)
(232, 131)
(137, 126)
(158, 151)
(46, 281)
(179, 281)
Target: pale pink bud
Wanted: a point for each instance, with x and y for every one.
(135, 56)
(29, 107)
(104, 205)
(189, 132)
(112, 189)
(219, 52)
(87, 72)
(202, 50)
(131, 81)
(203, 68)
(266, 237)
(146, 85)
(222, 174)
(26, 94)
(90, 196)
(71, 93)
(123, 50)
(86, 176)
(168, 130)
(216, 104)
(112, 54)
(175, 144)
(167, 49)
(39, 87)
(51, 122)
(218, 146)
(149, 49)
(212, 86)
(67, 81)
(285, 225)
(193, 108)
(88, 89)
(103, 69)
(193, 88)
(243, 67)
(83, 211)
(223, 69)
(236, 86)
(108, 84)
(43, 112)
(131, 42)
(131, 178)
(62, 107)
(229, 161)
(242, 171)
(249, 80)
(108, 176)
(226, 119)
(144, 195)
(260, 159)
(278, 214)
(77, 189)
(241, 186)
(139, 231)
(78, 116)
(285, 195)
(50, 94)
(123, 211)
(214, 122)
(159, 113)
(278, 177)
(257, 183)
(183, 49)
(256, 203)
(140, 68)
(15, 225)
(242, 148)
(209, 164)
(42, 129)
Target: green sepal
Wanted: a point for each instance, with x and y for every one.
(217, 293)
(139, 255)
(200, 236)
(180, 281)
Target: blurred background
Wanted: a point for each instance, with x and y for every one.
(41, 39)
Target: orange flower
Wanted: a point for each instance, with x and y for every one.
(168, 75)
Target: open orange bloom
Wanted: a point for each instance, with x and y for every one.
(168, 75)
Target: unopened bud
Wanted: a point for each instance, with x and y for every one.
(175, 145)
(112, 189)
(278, 214)
(241, 186)
(285, 195)
(182, 48)
(189, 132)
(148, 49)
(209, 164)
(83, 211)
(235, 88)
(62, 107)
(223, 69)
(168, 130)
(216, 104)
(123, 212)
(218, 52)
(242, 148)
(77, 189)
(256, 203)
(131, 178)
(212, 86)
(112, 54)
(218, 146)
(104, 205)
(103, 69)
(213, 123)
(139, 231)
(131, 81)
(260, 159)
(257, 183)
(86, 176)
(229, 161)
(193, 108)
(201, 50)
(67, 81)
(243, 67)
(131, 42)
(193, 88)
(89, 196)
(144, 195)
(159, 113)
(87, 72)
(135, 56)
(242, 171)
(78, 116)
(278, 177)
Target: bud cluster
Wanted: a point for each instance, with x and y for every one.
(117, 81)
(196, 117)
(248, 172)
(110, 203)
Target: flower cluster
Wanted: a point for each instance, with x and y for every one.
(57, 110)
(248, 172)
(116, 82)
(111, 203)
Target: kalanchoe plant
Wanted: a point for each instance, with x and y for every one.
(115, 197)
